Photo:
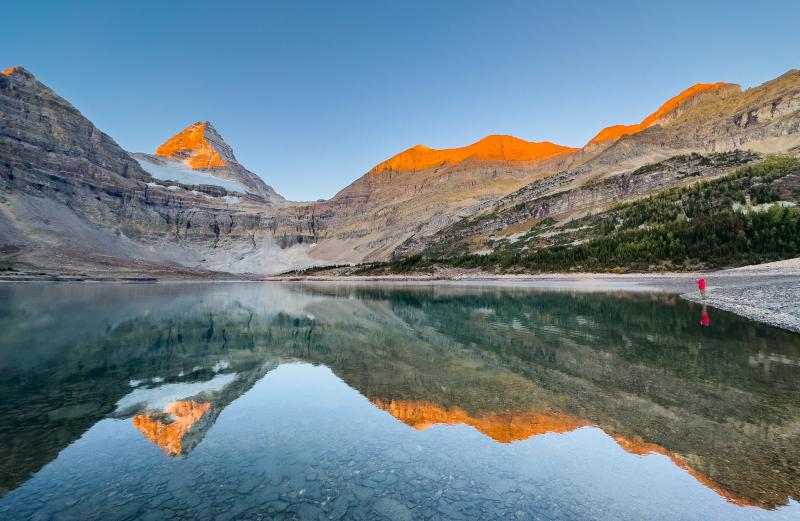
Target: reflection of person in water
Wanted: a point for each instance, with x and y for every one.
(704, 320)
(701, 285)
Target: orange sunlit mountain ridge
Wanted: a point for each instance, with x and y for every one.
(687, 96)
(510, 148)
(200, 146)
(490, 148)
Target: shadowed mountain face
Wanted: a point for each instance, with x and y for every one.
(720, 402)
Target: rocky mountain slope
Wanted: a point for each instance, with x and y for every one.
(750, 216)
(421, 190)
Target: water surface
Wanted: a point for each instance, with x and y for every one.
(269, 401)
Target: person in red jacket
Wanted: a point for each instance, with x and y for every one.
(701, 285)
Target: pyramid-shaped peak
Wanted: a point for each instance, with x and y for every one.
(200, 145)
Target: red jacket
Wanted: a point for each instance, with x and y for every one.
(701, 283)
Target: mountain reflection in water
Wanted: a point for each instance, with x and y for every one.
(721, 403)
(168, 432)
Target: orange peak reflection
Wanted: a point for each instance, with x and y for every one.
(617, 131)
(506, 148)
(509, 427)
(191, 144)
(168, 436)
(502, 427)
(642, 448)
(11, 70)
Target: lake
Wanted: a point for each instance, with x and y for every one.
(346, 401)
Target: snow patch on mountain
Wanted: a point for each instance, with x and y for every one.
(173, 170)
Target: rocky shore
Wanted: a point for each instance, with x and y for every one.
(768, 293)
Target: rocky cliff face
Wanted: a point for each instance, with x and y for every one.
(41, 132)
(556, 197)
(763, 119)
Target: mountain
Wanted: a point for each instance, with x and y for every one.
(73, 201)
(727, 126)
(201, 145)
(420, 195)
(198, 154)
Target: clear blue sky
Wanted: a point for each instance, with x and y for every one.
(312, 95)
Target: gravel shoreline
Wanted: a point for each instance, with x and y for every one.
(768, 293)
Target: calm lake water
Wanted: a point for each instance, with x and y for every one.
(269, 401)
